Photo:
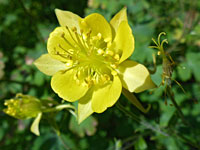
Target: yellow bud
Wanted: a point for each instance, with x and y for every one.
(23, 107)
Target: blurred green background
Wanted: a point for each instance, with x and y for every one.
(24, 29)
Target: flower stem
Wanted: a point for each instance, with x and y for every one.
(123, 109)
(156, 128)
(140, 121)
(56, 129)
(180, 113)
(184, 139)
(59, 107)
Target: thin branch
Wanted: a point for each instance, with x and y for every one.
(180, 113)
(140, 121)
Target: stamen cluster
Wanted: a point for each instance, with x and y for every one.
(91, 54)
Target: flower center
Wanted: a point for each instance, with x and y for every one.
(90, 55)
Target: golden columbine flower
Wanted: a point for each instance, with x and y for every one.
(87, 59)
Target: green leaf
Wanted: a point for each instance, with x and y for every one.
(184, 72)
(86, 127)
(39, 78)
(140, 144)
(10, 18)
(143, 34)
(193, 60)
(165, 117)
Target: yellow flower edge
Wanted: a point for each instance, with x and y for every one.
(87, 58)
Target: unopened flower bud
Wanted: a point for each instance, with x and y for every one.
(23, 106)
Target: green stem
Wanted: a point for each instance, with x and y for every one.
(169, 132)
(140, 121)
(56, 129)
(59, 107)
(133, 116)
(184, 139)
(64, 144)
(180, 113)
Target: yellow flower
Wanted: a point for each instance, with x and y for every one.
(87, 59)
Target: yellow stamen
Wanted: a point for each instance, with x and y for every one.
(109, 52)
(83, 23)
(100, 51)
(109, 44)
(74, 29)
(99, 36)
(114, 73)
(69, 63)
(63, 36)
(105, 78)
(116, 57)
(113, 66)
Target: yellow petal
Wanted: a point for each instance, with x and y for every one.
(84, 106)
(135, 77)
(67, 18)
(98, 24)
(118, 18)
(124, 41)
(57, 46)
(48, 65)
(35, 125)
(107, 95)
(64, 84)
